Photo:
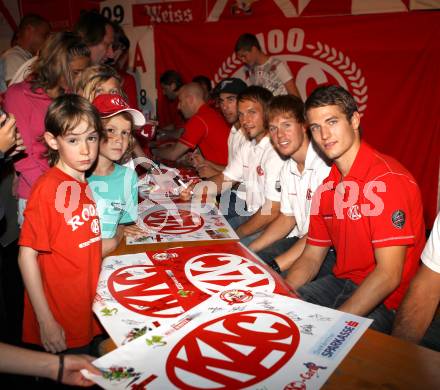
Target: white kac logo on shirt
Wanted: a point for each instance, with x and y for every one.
(354, 213)
(95, 226)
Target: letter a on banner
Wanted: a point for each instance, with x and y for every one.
(138, 61)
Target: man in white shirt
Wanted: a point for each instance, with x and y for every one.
(284, 239)
(265, 71)
(31, 34)
(256, 164)
(416, 319)
(225, 93)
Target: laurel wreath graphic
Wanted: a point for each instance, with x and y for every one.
(324, 52)
(347, 67)
(228, 66)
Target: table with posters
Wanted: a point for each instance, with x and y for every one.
(377, 361)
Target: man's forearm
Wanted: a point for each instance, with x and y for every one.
(259, 220)
(418, 307)
(286, 259)
(168, 153)
(303, 271)
(370, 293)
(279, 228)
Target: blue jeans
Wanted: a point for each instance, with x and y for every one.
(432, 335)
(277, 248)
(238, 220)
(231, 206)
(329, 291)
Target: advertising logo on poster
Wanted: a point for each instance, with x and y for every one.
(176, 221)
(313, 64)
(337, 337)
(234, 351)
(236, 296)
(141, 289)
(213, 271)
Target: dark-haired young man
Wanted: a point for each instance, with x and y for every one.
(369, 208)
(265, 71)
(225, 93)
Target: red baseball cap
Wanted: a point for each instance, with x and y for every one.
(109, 105)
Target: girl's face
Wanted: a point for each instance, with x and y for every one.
(77, 149)
(118, 131)
(76, 66)
(111, 86)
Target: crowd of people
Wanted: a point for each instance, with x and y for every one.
(341, 222)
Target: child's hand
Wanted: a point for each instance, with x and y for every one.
(133, 231)
(52, 336)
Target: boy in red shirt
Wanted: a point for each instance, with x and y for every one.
(60, 242)
(369, 208)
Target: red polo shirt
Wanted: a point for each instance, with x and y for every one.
(208, 130)
(386, 210)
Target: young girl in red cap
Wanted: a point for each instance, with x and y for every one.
(114, 186)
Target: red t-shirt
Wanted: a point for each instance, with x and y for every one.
(168, 113)
(386, 211)
(69, 257)
(208, 130)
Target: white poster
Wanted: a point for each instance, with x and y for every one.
(177, 222)
(240, 338)
(139, 292)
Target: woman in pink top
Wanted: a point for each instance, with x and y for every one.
(62, 59)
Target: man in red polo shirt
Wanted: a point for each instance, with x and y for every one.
(205, 129)
(369, 209)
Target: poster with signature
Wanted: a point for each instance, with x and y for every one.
(240, 338)
(176, 222)
(137, 293)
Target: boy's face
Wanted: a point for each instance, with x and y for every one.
(335, 135)
(118, 131)
(249, 57)
(251, 116)
(286, 133)
(77, 149)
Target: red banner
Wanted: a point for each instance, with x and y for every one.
(388, 62)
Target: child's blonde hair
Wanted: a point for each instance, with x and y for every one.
(92, 77)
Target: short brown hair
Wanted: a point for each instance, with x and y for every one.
(289, 105)
(64, 115)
